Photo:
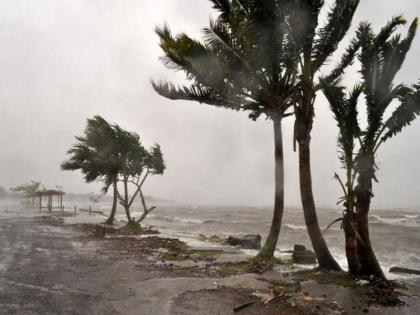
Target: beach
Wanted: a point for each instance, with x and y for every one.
(53, 263)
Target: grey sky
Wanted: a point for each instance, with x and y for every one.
(64, 61)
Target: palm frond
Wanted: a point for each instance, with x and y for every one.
(329, 36)
(405, 114)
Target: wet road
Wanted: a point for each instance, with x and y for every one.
(42, 273)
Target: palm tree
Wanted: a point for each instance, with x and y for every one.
(381, 58)
(317, 44)
(345, 112)
(245, 63)
(94, 155)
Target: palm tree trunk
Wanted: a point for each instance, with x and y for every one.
(111, 218)
(368, 261)
(267, 252)
(349, 224)
(325, 259)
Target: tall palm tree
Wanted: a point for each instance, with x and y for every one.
(246, 62)
(94, 155)
(317, 44)
(381, 57)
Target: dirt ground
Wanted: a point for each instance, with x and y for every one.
(47, 267)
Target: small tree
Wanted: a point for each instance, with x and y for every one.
(381, 58)
(136, 164)
(27, 190)
(94, 155)
(110, 154)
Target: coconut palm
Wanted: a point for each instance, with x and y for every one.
(94, 155)
(245, 63)
(381, 57)
(316, 44)
(110, 154)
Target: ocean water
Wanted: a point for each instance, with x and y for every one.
(395, 233)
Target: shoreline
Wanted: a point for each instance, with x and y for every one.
(207, 264)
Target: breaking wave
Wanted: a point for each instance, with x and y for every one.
(295, 227)
(406, 220)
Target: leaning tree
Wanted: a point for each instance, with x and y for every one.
(381, 57)
(95, 156)
(316, 44)
(136, 164)
(112, 155)
(246, 62)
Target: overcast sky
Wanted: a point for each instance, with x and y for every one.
(63, 61)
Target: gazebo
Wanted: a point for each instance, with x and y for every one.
(50, 194)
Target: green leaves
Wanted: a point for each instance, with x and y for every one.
(106, 152)
(346, 114)
(381, 57)
(329, 36)
(29, 189)
(405, 114)
(246, 60)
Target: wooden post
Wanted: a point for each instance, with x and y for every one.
(90, 210)
(75, 210)
(49, 203)
(40, 202)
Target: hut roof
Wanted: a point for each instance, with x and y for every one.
(49, 192)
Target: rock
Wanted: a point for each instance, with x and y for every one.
(404, 270)
(303, 256)
(249, 241)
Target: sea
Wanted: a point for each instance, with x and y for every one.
(395, 233)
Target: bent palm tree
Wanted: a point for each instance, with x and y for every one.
(381, 58)
(94, 156)
(317, 44)
(246, 63)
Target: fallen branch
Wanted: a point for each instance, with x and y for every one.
(242, 306)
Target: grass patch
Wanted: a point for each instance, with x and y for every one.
(333, 278)
(207, 255)
(229, 270)
(173, 257)
(133, 227)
